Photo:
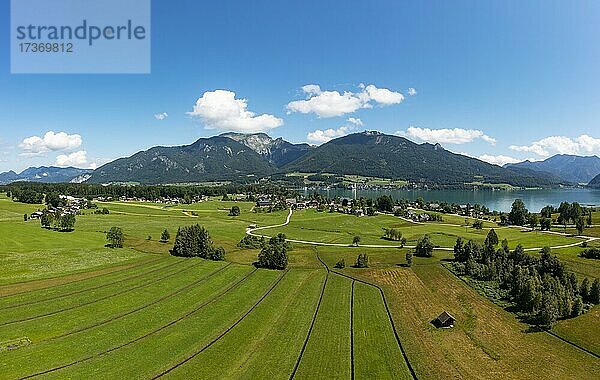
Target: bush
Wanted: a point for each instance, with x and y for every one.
(355, 240)
(362, 261)
(251, 242)
(165, 236)
(274, 254)
(478, 224)
(194, 241)
(115, 237)
(409, 258)
(340, 264)
(235, 211)
(424, 247)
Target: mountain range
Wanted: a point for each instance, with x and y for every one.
(250, 157)
(243, 157)
(46, 174)
(570, 168)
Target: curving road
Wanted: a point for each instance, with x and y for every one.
(251, 232)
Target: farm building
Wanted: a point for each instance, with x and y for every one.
(444, 320)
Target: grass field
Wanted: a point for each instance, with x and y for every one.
(72, 308)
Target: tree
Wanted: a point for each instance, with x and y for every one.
(235, 211)
(589, 220)
(580, 225)
(518, 213)
(409, 258)
(46, 219)
(549, 311)
(165, 236)
(595, 292)
(384, 203)
(362, 261)
(67, 222)
(424, 246)
(584, 289)
(575, 212)
(341, 264)
(577, 307)
(533, 221)
(355, 240)
(25, 217)
(478, 224)
(492, 238)
(115, 237)
(545, 224)
(53, 199)
(274, 254)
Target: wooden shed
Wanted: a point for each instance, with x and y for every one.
(445, 320)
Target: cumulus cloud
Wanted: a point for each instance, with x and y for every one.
(322, 136)
(547, 146)
(220, 109)
(412, 91)
(499, 160)
(50, 142)
(78, 159)
(355, 121)
(446, 136)
(161, 116)
(334, 103)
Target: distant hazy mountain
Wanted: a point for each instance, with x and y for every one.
(595, 182)
(379, 155)
(45, 174)
(277, 151)
(576, 169)
(208, 159)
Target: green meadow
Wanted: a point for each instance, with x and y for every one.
(70, 307)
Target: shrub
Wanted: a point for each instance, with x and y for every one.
(165, 236)
(340, 264)
(362, 261)
(235, 211)
(409, 258)
(251, 242)
(424, 247)
(115, 237)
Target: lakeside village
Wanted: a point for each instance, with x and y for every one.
(60, 206)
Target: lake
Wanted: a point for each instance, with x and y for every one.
(500, 200)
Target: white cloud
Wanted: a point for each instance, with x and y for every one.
(78, 159)
(220, 109)
(412, 91)
(547, 146)
(334, 103)
(50, 142)
(448, 136)
(161, 116)
(499, 160)
(320, 136)
(355, 121)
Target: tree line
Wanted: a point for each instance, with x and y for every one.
(539, 287)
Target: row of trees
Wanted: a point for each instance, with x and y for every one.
(57, 221)
(540, 287)
(394, 234)
(194, 241)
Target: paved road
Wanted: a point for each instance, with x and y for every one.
(251, 232)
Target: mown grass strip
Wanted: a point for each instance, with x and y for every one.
(83, 290)
(265, 337)
(312, 323)
(327, 353)
(157, 350)
(376, 354)
(86, 283)
(16, 288)
(113, 309)
(134, 329)
(95, 299)
(220, 336)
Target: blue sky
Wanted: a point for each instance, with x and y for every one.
(492, 78)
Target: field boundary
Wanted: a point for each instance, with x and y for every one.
(265, 295)
(102, 353)
(352, 330)
(312, 323)
(572, 343)
(410, 368)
